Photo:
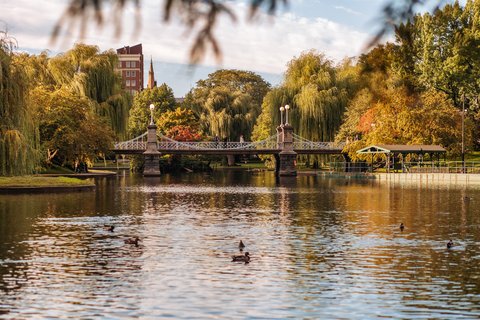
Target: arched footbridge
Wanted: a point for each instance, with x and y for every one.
(271, 145)
(285, 145)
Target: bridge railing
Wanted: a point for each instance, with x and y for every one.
(165, 143)
(138, 143)
(309, 145)
(300, 143)
(170, 144)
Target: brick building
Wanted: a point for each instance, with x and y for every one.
(130, 65)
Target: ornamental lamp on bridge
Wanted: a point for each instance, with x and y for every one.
(287, 107)
(286, 158)
(152, 107)
(281, 115)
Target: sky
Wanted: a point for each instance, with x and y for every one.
(339, 29)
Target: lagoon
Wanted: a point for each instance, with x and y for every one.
(321, 247)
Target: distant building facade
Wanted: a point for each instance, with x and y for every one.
(130, 65)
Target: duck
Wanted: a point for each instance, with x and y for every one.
(402, 226)
(241, 246)
(132, 241)
(450, 244)
(109, 228)
(245, 258)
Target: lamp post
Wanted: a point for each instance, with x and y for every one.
(151, 166)
(152, 107)
(281, 115)
(286, 114)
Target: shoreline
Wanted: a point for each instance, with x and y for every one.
(44, 184)
(79, 175)
(411, 178)
(45, 189)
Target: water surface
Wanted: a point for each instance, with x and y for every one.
(321, 248)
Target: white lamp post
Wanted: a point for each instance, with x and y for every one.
(152, 107)
(286, 114)
(281, 115)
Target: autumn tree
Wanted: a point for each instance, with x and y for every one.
(180, 124)
(388, 111)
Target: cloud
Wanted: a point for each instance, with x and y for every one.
(356, 13)
(265, 45)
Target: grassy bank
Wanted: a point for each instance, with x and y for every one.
(39, 182)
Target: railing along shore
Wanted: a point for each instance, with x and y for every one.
(467, 167)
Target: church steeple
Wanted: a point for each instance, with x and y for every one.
(151, 76)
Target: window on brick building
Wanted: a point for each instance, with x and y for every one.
(127, 64)
(133, 83)
(127, 83)
(133, 74)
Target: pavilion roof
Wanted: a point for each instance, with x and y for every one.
(402, 148)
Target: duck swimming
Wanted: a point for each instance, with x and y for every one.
(450, 244)
(245, 258)
(241, 245)
(402, 226)
(132, 241)
(109, 228)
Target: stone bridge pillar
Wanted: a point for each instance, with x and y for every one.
(152, 156)
(287, 158)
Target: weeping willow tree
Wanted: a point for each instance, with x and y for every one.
(228, 103)
(269, 118)
(320, 93)
(89, 73)
(18, 131)
(317, 91)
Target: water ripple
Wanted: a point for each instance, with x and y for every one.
(320, 249)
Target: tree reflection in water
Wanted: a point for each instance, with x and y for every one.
(312, 239)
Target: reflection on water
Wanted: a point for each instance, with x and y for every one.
(320, 247)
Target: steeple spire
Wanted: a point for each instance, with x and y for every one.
(151, 76)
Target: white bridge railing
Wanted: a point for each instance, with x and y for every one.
(165, 143)
(170, 144)
(138, 143)
(300, 143)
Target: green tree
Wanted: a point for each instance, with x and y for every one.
(228, 103)
(317, 92)
(440, 51)
(86, 71)
(18, 129)
(71, 133)
(163, 99)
